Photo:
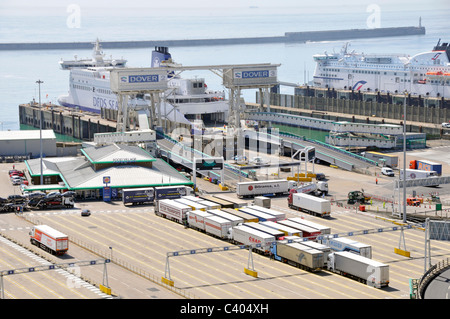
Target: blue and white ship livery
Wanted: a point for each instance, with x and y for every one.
(426, 74)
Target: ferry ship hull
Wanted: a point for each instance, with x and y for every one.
(426, 74)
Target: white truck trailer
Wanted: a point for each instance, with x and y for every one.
(298, 255)
(364, 269)
(235, 220)
(172, 210)
(217, 226)
(287, 231)
(196, 219)
(310, 204)
(269, 187)
(324, 230)
(248, 236)
(266, 229)
(278, 215)
(262, 217)
(49, 239)
(347, 244)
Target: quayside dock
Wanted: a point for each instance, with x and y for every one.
(288, 37)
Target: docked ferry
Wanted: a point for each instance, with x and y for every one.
(184, 101)
(97, 60)
(426, 74)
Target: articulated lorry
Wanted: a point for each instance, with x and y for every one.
(150, 194)
(426, 166)
(269, 187)
(310, 204)
(316, 189)
(49, 239)
(364, 269)
(245, 235)
(172, 210)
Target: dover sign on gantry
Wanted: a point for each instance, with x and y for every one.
(138, 79)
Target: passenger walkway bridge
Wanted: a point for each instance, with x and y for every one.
(291, 143)
(326, 125)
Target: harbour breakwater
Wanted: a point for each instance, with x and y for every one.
(289, 37)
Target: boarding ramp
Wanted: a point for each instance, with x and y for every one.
(328, 153)
(183, 155)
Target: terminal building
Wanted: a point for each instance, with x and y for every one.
(27, 143)
(123, 166)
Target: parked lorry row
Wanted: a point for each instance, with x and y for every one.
(148, 195)
(294, 240)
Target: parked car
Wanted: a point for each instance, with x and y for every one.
(85, 212)
(446, 125)
(258, 160)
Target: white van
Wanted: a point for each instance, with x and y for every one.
(387, 171)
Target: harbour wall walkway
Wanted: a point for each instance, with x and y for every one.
(289, 37)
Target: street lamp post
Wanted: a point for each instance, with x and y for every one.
(404, 159)
(40, 128)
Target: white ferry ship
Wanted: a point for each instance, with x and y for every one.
(186, 100)
(97, 60)
(426, 74)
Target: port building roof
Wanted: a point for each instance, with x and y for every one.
(116, 153)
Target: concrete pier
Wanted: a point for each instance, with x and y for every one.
(288, 37)
(424, 115)
(65, 121)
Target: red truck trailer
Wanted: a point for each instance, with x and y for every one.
(49, 239)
